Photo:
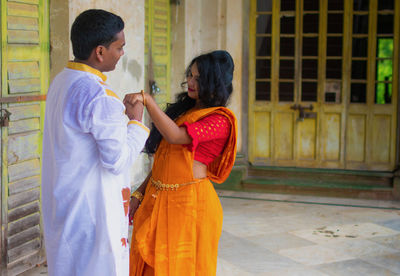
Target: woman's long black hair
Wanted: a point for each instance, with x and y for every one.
(215, 87)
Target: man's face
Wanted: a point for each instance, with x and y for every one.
(112, 54)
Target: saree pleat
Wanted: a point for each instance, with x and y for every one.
(176, 232)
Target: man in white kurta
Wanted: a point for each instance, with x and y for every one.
(89, 147)
(88, 151)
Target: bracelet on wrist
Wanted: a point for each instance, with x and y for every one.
(138, 195)
(144, 98)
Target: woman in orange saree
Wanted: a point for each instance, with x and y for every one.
(179, 221)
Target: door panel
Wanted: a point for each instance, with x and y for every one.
(356, 136)
(262, 135)
(158, 49)
(283, 142)
(381, 138)
(324, 71)
(306, 138)
(330, 137)
(25, 76)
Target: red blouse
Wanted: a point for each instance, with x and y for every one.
(209, 136)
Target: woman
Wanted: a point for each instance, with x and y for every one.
(179, 221)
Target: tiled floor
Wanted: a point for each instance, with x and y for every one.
(269, 234)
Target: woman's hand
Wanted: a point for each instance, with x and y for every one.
(133, 205)
(172, 133)
(132, 98)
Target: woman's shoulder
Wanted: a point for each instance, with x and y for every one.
(215, 118)
(195, 115)
(222, 113)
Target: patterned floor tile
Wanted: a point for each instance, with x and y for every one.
(359, 248)
(389, 241)
(225, 268)
(371, 215)
(314, 255)
(276, 242)
(297, 271)
(250, 257)
(344, 232)
(392, 224)
(354, 267)
(391, 262)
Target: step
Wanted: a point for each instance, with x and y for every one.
(318, 188)
(324, 177)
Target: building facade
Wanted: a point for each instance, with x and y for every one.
(315, 93)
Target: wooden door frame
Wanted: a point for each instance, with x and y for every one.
(42, 52)
(161, 99)
(372, 110)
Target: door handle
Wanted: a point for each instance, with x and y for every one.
(302, 113)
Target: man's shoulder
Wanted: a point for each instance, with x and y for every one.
(96, 87)
(108, 91)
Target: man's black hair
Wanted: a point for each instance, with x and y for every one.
(93, 28)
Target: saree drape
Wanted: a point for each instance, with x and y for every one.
(176, 231)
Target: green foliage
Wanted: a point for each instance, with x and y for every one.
(384, 70)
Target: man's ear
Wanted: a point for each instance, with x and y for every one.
(99, 51)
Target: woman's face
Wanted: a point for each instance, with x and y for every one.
(193, 82)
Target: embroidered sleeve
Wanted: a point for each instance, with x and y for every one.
(209, 128)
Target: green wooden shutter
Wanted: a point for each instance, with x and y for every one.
(24, 72)
(157, 48)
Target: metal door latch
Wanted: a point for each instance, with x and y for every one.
(302, 113)
(4, 117)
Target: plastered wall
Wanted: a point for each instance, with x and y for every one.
(202, 26)
(129, 73)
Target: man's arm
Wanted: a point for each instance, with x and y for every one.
(119, 144)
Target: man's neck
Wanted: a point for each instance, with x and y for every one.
(89, 63)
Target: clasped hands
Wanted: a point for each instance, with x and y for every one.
(134, 104)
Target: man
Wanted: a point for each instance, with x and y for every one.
(89, 147)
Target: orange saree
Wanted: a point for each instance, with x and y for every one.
(178, 225)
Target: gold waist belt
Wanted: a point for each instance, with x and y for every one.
(170, 187)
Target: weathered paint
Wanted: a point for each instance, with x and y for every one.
(331, 134)
(211, 25)
(341, 134)
(158, 48)
(25, 69)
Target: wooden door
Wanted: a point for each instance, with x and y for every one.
(321, 91)
(25, 77)
(158, 49)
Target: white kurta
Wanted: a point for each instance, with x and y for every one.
(89, 147)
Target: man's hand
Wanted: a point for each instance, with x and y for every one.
(133, 98)
(134, 111)
(133, 205)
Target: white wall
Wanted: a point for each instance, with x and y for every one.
(209, 25)
(129, 73)
(197, 27)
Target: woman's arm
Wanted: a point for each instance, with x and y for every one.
(171, 132)
(135, 202)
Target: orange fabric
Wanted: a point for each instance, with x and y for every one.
(177, 232)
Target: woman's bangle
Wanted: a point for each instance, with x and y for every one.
(144, 98)
(138, 195)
